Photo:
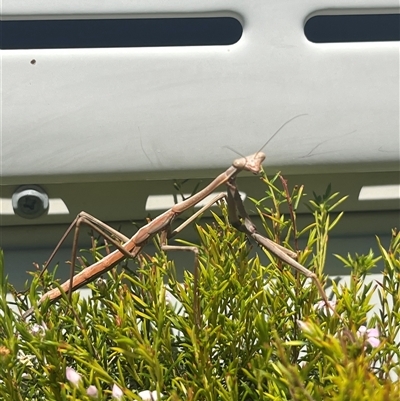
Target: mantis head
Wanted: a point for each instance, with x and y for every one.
(253, 162)
(250, 163)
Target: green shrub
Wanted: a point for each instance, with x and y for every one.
(260, 332)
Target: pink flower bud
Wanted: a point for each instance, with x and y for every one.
(92, 391)
(371, 336)
(117, 393)
(73, 376)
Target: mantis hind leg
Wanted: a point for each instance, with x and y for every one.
(235, 206)
(109, 233)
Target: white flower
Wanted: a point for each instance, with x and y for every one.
(38, 330)
(117, 392)
(371, 335)
(148, 395)
(92, 391)
(73, 376)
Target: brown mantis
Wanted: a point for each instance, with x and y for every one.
(131, 247)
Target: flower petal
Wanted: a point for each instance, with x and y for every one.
(117, 392)
(374, 342)
(146, 395)
(373, 332)
(92, 391)
(154, 394)
(73, 376)
(37, 330)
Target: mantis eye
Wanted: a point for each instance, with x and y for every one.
(239, 163)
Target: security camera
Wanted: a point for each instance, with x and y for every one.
(30, 201)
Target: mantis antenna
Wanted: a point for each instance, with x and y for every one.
(276, 132)
(269, 139)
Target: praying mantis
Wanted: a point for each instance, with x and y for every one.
(131, 247)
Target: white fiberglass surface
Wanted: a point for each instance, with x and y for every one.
(152, 112)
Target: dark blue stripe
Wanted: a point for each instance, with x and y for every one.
(92, 33)
(353, 28)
